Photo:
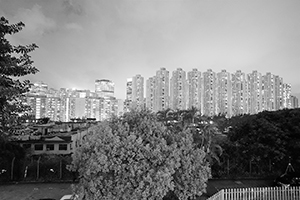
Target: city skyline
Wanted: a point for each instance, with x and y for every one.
(145, 79)
(82, 41)
(212, 93)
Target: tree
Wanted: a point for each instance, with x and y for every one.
(136, 157)
(265, 140)
(15, 62)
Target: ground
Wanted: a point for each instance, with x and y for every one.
(35, 191)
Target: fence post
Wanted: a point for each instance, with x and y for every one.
(222, 194)
(250, 166)
(12, 168)
(38, 168)
(228, 167)
(60, 168)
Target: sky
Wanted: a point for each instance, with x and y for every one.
(84, 40)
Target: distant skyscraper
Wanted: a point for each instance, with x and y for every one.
(38, 105)
(271, 92)
(108, 107)
(223, 96)
(256, 92)
(54, 108)
(104, 88)
(120, 108)
(209, 93)
(129, 89)
(138, 91)
(278, 92)
(194, 89)
(150, 93)
(161, 90)
(286, 96)
(92, 107)
(178, 90)
(128, 100)
(294, 102)
(39, 88)
(240, 93)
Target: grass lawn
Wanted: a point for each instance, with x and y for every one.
(35, 191)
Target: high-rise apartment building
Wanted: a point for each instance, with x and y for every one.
(129, 89)
(54, 108)
(178, 90)
(104, 88)
(128, 100)
(38, 105)
(256, 92)
(92, 107)
(161, 90)
(39, 88)
(294, 102)
(223, 93)
(108, 107)
(286, 96)
(209, 92)
(138, 91)
(150, 93)
(271, 92)
(278, 92)
(193, 89)
(240, 97)
(120, 107)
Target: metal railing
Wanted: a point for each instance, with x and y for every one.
(260, 193)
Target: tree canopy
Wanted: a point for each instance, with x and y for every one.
(137, 157)
(266, 141)
(15, 62)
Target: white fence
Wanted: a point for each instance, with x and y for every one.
(263, 193)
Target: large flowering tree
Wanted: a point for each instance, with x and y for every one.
(136, 157)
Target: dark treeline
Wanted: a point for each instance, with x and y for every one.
(260, 145)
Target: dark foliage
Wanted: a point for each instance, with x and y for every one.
(261, 144)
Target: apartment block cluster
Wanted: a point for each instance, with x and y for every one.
(210, 92)
(68, 104)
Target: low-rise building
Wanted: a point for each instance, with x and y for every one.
(49, 139)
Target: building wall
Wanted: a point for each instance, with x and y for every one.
(150, 93)
(138, 91)
(58, 148)
(240, 93)
(256, 92)
(194, 89)
(209, 93)
(178, 90)
(104, 88)
(294, 102)
(223, 96)
(161, 90)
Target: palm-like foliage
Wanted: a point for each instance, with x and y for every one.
(205, 131)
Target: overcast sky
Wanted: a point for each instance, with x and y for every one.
(84, 40)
